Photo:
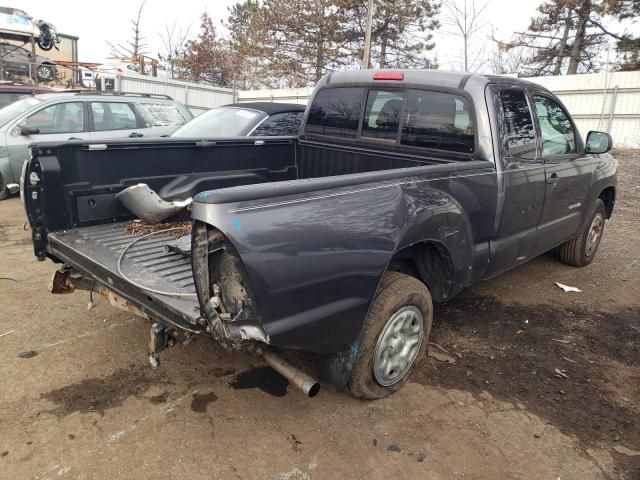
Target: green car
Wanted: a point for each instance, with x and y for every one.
(80, 116)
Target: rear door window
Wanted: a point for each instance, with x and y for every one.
(438, 120)
(336, 112)
(280, 124)
(113, 116)
(518, 124)
(382, 115)
(59, 118)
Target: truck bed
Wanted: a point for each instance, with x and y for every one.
(95, 250)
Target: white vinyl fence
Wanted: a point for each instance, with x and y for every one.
(198, 97)
(608, 102)
(281, 95)
(603, 101)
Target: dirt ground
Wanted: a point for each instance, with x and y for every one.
(544, 384)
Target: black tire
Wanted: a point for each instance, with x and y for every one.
(396, 292)
(45, 72)
(4, 191)
(581, 250)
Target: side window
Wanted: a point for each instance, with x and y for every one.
(161, 114)
(438, 120)
(280, 124)
(335, 112)
(382, 115)
(518, 124)
(557, 133)
(59, 118)
(112, 116)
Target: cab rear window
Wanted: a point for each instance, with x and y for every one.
(442, 121)
(336, 112)
(411, 118)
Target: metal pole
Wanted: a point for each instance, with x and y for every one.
(612, 109)
(604, 91)
(33, 70)
(367, 37)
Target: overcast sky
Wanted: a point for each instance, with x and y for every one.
(97, 22)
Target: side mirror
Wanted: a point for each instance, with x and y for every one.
(598, 142)
(29, 130)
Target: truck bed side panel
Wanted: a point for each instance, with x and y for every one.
(315, 259)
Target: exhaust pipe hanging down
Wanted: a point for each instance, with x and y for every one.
(297, 377)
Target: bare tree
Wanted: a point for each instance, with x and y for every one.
(135, 46)
(505, 59)
(463, 19)
(174, 45)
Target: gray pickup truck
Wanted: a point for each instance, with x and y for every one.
(402, 188)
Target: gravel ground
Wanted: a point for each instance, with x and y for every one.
(526, 382)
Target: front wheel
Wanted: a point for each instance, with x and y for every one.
(394, 336)
(581, 250)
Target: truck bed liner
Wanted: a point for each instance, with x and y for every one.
(96, 250)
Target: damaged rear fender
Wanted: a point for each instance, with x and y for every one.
(313, 264)
(223, 289)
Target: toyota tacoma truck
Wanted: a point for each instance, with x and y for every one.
(402, 188)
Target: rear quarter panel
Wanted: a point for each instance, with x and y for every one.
(315, 259)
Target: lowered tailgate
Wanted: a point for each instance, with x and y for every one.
(95, 251)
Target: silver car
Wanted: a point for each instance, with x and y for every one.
(80, 116)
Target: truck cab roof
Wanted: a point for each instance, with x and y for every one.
(431, 78)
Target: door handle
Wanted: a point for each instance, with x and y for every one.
(135, 135)
(553, 178)
(75, 138)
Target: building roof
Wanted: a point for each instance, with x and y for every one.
(66, 35)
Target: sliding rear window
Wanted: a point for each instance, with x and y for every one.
(412, 118)
(437, 120)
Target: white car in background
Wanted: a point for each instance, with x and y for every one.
(117, 68)
(18, 21)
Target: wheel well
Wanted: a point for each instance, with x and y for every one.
(608, 196)
(430, 263)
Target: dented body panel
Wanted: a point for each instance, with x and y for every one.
(314, 259)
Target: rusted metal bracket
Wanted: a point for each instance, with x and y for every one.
(158, 339)
(61, 282)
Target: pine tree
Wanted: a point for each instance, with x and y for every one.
(401, 35)
(209, 58)
(246, 26)
(306, 39)
(295, 42)
(568, 35)
(628, 46)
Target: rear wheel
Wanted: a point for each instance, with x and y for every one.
(394, 336)
(581, 250)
